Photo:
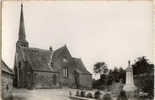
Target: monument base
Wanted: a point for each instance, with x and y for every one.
(130, 90)
(131, 94)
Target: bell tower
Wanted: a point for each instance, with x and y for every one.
(21, 33)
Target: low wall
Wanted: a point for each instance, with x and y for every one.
(80, 98)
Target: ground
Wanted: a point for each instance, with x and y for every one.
(49, 94)
(42, 94)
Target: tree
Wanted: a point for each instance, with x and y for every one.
(115, 74)
(122, 74)
(142, 66)
(110, 78)
(100, 68)
(143, 71)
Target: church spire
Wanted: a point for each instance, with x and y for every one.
(21, 33)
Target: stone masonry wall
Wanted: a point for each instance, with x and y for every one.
(85, 81)
(7, 84)
(45, 80)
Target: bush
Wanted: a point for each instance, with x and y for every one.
(89, 95)
(122, 96)
(77, 93)
(97, 94)
(82, 94)
(107, 97)
(145, 83)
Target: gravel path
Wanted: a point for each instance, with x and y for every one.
(42, 94)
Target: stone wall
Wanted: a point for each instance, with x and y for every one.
(67, 81)
(45, 80)
(7, 84)
(85, 81)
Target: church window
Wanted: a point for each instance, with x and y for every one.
(51, 64)
(18, 71)
(54, 79)
(65, 72)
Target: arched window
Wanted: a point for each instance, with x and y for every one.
(18, 71)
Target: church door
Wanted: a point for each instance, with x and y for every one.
(76, 78)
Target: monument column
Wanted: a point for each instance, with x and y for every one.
(129, 86)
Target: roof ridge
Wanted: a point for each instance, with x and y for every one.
(76, 58)
(60, 48)
(7, 66)
(38, 49)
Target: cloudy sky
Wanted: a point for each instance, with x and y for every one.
(113, 32)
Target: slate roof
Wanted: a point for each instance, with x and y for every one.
(60, 51)
(80, 66)
(38, 59)
(5, 68)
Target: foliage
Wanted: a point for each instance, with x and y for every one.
(122, 75)
(115, 75)
(107, 97)
(122, 96)
(100, 68)
(97, 94)
(82, 94)
(77, 93)
(110, 79)
(142, 66)
(145, 83)
(97, 84)
(89, 95)
(143, 71)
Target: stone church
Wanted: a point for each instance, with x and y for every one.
(40, 68)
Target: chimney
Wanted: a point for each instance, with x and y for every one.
(51, 55)
(50, 48)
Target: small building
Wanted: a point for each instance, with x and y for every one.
(7, 80)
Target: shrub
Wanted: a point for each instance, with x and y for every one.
(107, 97)
(122, 96)
(77, 93)
(89, 95)
(97, 94)
(82, 94)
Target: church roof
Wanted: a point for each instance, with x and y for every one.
(60, 51)
(37, 58)
(80, 66)
(5, 68)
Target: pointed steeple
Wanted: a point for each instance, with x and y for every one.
(21, 26)
(21, 33)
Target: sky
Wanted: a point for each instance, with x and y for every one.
(113, 32)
